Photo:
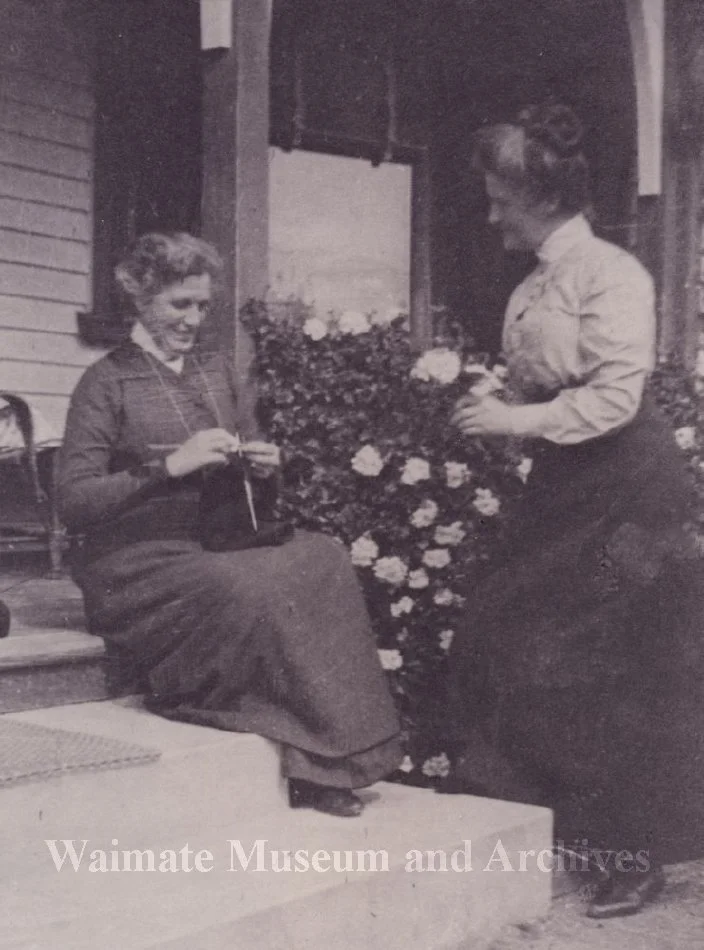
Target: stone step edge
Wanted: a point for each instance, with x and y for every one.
(49, 648)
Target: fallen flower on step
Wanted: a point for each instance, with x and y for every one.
(438, 766)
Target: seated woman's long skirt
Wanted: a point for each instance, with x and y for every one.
(578, 679)
(270, 640)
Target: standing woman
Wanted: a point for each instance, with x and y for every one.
(273, 640)
(576, 682)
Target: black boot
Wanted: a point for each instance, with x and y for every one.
(341, 802)
(626, 893)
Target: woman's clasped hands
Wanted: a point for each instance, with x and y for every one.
(215, 447)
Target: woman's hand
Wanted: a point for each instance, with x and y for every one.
(484, 415)
(208, 447)
(263, 457)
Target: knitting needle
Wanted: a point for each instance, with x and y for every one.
(250, 501)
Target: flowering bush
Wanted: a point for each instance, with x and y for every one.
(680, 395)
(371, 459)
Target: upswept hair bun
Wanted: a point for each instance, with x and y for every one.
(539, 153)
(157, 260)
(556, 127)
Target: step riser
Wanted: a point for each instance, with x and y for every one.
(310, 911)
(41, 687)
(398, 909)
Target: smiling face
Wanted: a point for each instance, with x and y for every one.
(173, 316)
(524, 225)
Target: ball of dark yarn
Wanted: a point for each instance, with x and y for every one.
(554, 126)
(4, 619)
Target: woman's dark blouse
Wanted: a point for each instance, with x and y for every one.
(128, 413)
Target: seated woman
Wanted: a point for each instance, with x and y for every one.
(273, 640)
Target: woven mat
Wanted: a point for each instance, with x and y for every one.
(29, 752)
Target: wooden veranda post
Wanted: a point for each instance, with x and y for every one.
(421, 273)
(236, 158)
(682, 196)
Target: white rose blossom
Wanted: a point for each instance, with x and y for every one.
(364, 552)
(391, 569)
(436, 767)
(486, 502)
(456, 474)
(353, 323)
(407, 764)
(445, 637)
(418, 579)
(444, 597)
(415, 470)
(699, 365)
(403, 606)
(437, 558)
(449, 534)
(487, 386)
(368, 461)
(439, 365)
(490, 382)
(524, 468)
(686, 437)
(315, 329)
(390, 659)
(425, 514)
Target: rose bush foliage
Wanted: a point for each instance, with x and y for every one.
(371, 460)
(680, 394)
(363, 424)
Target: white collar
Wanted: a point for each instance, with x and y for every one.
(564, 238)
(145, 341)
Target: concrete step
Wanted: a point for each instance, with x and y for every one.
(53, 667)
(200, 770)
(210, 789)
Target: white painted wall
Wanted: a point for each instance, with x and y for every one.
(46, 202)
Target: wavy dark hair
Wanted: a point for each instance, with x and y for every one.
(540, 153)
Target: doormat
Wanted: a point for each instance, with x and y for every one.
(30, 752)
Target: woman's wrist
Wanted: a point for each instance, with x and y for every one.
(154, 471)
(528, 421)
(170, 465)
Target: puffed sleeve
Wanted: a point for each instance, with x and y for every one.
(87, 490)
(615, 354)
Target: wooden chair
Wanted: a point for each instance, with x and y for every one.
(29, 519)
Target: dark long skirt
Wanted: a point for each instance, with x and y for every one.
(577, 681)
(274, 641)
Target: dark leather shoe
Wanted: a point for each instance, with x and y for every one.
(340, 802)
(626, 894)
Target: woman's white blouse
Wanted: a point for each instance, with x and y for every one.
(579, 335)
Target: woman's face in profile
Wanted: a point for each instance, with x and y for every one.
(521, 223)
(173, 317)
